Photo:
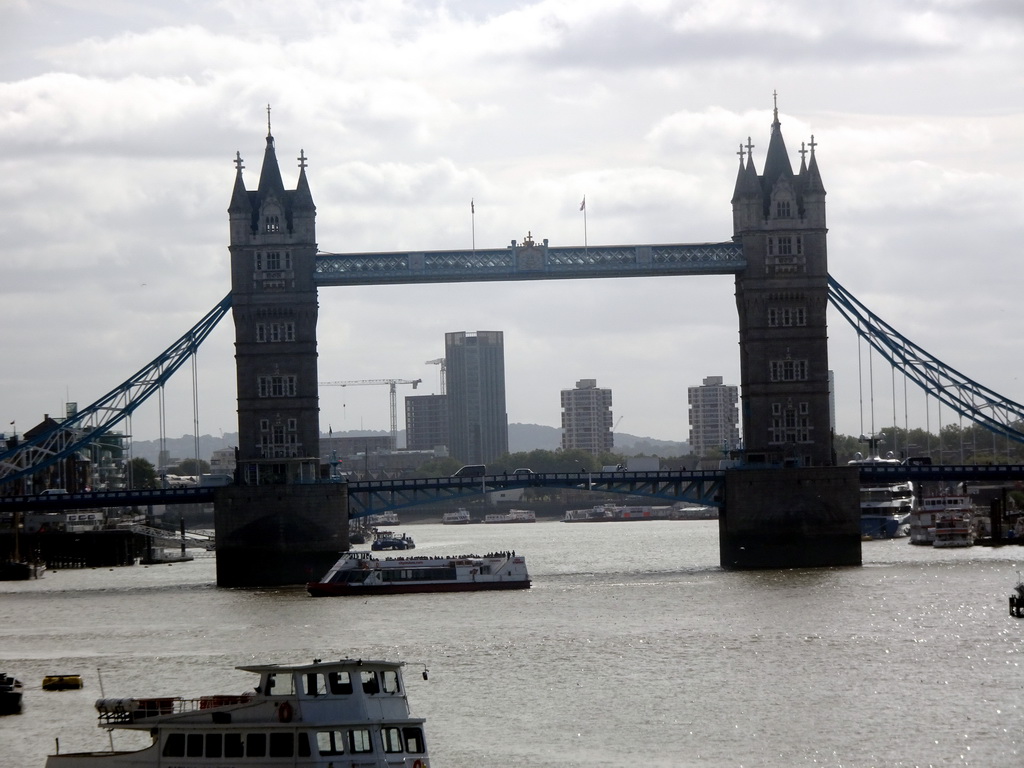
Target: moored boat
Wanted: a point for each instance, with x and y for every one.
(885, 508)
(512, 516)
(928, 511)
(953, 530)
(360, 573)
(10, 694)
(343, 714)
(62, 682)
(458, 517)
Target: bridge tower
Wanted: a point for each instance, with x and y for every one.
(274, 305)
(276, 525)
(782, 298)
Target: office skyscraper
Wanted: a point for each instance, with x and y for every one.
(587, 418)
(714, 416)
(475, 376)
(426, 422)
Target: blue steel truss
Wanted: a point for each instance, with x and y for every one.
(528, 260)
(367, 497)
(958, 392)
(82, 429)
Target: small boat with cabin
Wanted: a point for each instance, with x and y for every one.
(10, 694)
(458, 517)
(953, 530)
(930, 508)
(385, 540)
(326, 714)
(360, 573)
(1017, 599)
(62, 683)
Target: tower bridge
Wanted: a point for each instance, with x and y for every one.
(278, 520)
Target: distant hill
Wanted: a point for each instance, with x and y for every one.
(521, 439)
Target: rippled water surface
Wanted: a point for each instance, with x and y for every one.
(633, 648)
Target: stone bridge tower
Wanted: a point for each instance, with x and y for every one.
(782, 298)
(274, 305)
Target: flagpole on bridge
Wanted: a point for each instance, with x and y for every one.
(472, 215)
(583, 207)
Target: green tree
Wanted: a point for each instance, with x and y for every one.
(141, 474)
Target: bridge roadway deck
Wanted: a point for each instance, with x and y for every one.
(370, 496)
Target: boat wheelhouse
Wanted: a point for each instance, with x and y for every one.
(339, 714)
(360, 573)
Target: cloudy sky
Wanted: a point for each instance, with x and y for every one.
(118, 128)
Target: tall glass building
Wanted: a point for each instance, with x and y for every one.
(475, 376)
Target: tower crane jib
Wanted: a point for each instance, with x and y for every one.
(392, 385)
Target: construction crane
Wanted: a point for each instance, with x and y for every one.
(440, 361)
(392, 383)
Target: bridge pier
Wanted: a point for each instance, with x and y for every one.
(275, 535)
(799, 517)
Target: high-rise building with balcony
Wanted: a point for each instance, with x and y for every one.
(587, 418)
(714, 416)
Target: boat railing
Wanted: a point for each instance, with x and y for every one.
(134, 710)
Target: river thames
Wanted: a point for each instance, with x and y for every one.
(632, 648)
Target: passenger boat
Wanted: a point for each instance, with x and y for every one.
(341, 714)
(10, 694)
(458, 517)
(928, 511)
(360, 573)
(512, 516)
(885, 508)
(953, 530)
(62, 682)
(385, 540)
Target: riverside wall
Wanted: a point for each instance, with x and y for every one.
(276, 535)
(790, 518)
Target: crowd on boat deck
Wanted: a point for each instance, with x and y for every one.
(455, 557)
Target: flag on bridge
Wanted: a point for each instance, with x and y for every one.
(583, 205)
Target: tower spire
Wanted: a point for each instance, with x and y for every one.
(269, 134)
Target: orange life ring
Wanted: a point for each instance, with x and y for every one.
(418, 764)
(284, 712)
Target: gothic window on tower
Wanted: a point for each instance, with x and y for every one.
(271, 223)
(788, 370)
(785, 254)
(276, 386)
(275, 332)
(785, 317)
(782, 209)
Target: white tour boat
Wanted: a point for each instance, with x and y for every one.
(953, 530)
(327, 714)
(885, 508)
(360, 573)
(928, 511)
(512, 516)
(458, 517)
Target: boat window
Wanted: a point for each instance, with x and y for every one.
(214, 744)
(281, 745)
(255, 745)
(389, 679)
(359, 740)
(303, 738)
(280, 685)
(233, 745)
(392, 738)
(330, 742)
(413, 740)
(175, 745)
(370, 684)
(316, 684)
(194, 745)
(341, 683)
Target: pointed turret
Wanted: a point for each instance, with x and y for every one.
(776, 162)
(271, 184)
(814, 192)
